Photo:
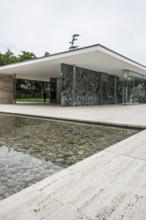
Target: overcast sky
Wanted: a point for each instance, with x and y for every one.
(47, 25)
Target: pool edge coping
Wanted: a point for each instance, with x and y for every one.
(31, 188)
(101, 123)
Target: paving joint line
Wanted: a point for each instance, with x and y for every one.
(137, 158)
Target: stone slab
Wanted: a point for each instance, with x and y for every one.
(132, 115)
(107, 185)
(135, 146)
(6, 89)
(33, 204)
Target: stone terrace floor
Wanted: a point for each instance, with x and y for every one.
(115, 114)
(108, 185)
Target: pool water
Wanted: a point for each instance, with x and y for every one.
(32, 149)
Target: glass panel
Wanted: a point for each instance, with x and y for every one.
(138, 94)
(133, 87)
(127, 87)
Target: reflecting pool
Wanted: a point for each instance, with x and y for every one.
(32, 149)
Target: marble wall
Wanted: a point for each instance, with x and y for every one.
(6, 89)
(91, 87)
(66, 85)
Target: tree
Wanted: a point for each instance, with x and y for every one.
(7, 58)
(74, 38)
(24, 88)
(23, 83)
(46, 54)
(26, 56)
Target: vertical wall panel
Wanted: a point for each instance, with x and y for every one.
(91, 87)
(6, 89)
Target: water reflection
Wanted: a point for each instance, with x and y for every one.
(19, 170)
(32, 149)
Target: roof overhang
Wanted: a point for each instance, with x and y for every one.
(95, 57)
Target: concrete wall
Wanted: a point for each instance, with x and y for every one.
(6, 89)
(87, 87)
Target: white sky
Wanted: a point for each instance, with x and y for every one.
(47, 25)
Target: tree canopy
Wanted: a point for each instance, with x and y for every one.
(8, 57)
(29, 88)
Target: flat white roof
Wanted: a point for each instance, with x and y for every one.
(95, 57)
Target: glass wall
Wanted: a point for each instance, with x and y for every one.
(134, 87)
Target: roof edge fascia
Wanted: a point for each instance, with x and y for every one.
(95, 47)
(120, 56)
(53, 56)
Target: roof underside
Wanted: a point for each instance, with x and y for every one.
(96, 58)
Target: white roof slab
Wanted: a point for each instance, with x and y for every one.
(95, 57)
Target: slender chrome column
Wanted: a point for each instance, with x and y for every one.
(74, 84)
(126, 91)
(115, 89)
(133, 95)
(14, 88)
(101, 88)
(123, 91)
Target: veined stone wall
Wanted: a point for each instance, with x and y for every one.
(6, 89)
(66, 85)
(87, 87)
(91, 87)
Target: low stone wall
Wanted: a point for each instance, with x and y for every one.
(87, 87)
(6, 89)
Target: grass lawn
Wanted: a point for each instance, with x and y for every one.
(31, 100)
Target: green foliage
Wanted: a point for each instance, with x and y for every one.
(31, 99)
(26, 56)
(46, 54)
(24, 88)
(7, 58)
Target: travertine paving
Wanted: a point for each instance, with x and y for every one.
(32, 149)
(108, 185)
(117, 114)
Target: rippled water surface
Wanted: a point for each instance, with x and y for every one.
(32, 149)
